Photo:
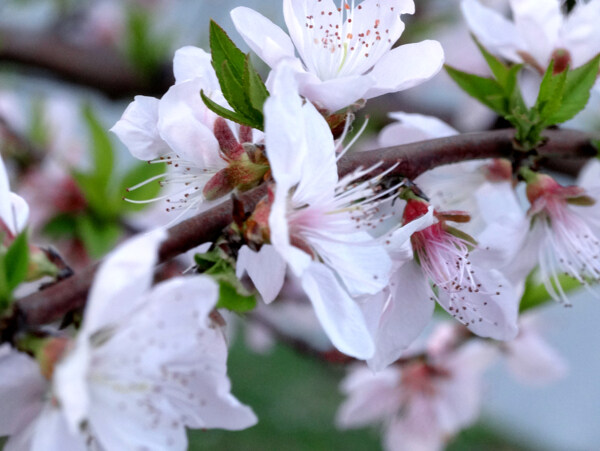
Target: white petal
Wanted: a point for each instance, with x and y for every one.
(413, 128)
(338, 313)
(186, 125)
(336, 93)
(401, 236)
(20, 213)
(265, 268)
(496, 33)
(265, 38)
(492, 311)
(5, 205)
(406, 66)
(137, 129)
(22, 390)
(192, 62)
(404, 317)
(580, 33)
(123, 277)
(282, 128)
(51, 433)
(362, 264)
(538, 23)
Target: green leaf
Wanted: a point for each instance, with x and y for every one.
(17, 261)
(224, 50)
(257, 91)
(536, 294)
(487, 91)
(95, 193)
(60, 226)
(232, 295)
(137, 174)
(98, 237)
(235, 94)
(231, 299)
(228, 114)
(103, 155)
(579, 83)
(551, 93)
(500, 70)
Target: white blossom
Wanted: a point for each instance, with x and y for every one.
(345, 50)
(146, 364)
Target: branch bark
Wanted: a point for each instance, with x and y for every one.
(102, 68)
(411, 160)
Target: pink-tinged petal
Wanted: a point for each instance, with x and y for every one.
(336, 93)
(192, 62)
(413, 128)
(396, 243)
(404, 316)
(121, 280)
(496, 33)
(372, 397)
(416, 429)
(531, 359)
(363, 265)
(338, 313)
(186, 125)
(263, 37)
(265, 268)
(491, 310)
(137, 129)
(22, 389)
(405, 67)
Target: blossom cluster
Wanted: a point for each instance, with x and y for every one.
(373, 253)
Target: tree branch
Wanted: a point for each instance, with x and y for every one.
(411, 160)
(102, 68)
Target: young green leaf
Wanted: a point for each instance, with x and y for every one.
(231, 299)
(579, 83)
(551, 93)
(256, 89)
(98, 236)
(17, 261)
(487, 91)
(500, 70)
(103, 155)
(235, 93)
(224, 50)
(228, 114)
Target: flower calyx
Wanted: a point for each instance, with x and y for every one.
(247, 163)
(542, 188)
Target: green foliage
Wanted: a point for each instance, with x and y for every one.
(14, 264)
(99, 225)
(536, 294)
(232, 295)
(560, 98)
(240, 83)
(143, 48)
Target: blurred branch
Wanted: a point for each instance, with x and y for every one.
(101, 68)
(410, 160)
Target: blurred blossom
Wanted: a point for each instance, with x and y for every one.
(421, 402)
(162, 369)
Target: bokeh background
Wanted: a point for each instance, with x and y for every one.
(53, 126)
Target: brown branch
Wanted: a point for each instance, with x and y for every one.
(411, 160)
(102, 68)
